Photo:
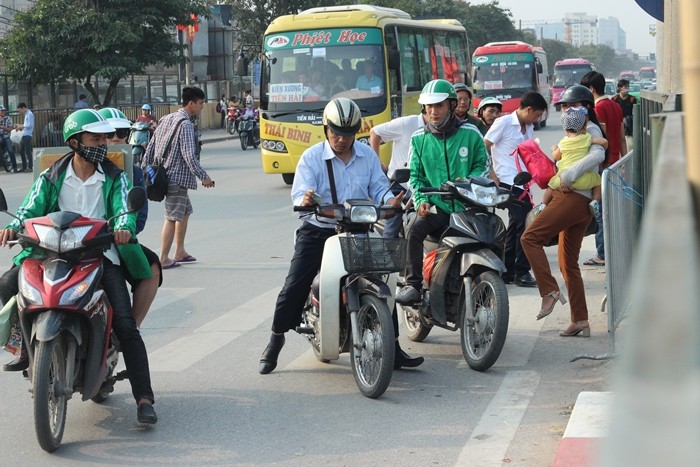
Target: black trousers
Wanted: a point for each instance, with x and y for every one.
(515, 260)
(421, 228)
(123, 324)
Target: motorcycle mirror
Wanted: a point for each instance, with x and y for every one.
(3, 201)
(401, 175)
(522, 178)
(136, 199)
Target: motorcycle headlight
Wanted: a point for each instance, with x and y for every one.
(59, 241)
(483, 195)
(30, 293)
(73, 294)
(363, 214)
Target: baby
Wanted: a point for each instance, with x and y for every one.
(571, 149)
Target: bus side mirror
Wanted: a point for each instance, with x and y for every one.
(393, 58)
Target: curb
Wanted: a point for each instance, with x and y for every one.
(587, 427)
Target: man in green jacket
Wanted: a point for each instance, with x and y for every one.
(445, 149)
(86, 182)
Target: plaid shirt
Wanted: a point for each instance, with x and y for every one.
(6, 121)
(181, 164)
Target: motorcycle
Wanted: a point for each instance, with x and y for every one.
(350, 302)
(463, 287)
(138, 139)
(249, 130)
(232, 119)
(65, 316)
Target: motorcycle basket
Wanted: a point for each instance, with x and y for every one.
(373, 254)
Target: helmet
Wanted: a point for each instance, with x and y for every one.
(463, 87)
(146, 107)
(437, 91)
(84, 120)
(486, 101)
(115, 116)
(342, 116)
(577, 93)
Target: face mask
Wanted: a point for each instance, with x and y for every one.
(93, 154)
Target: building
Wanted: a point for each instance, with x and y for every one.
(581, 29)
(610, 34)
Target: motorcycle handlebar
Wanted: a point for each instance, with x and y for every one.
(429, 189)
(304, 208)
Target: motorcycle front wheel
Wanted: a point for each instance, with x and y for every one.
(414, 324)
(373, 361)
(50, 400)
(244, 141)
(483, 328)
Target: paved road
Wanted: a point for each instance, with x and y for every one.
(211, 321)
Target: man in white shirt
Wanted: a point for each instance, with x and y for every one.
(501, 140)
(25, 147)
(398, 131)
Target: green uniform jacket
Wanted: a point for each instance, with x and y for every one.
(435, 160)
(42, 199)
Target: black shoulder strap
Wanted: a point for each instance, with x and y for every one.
(334, 195)
(172, 137)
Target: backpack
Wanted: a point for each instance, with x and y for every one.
(218, 107)
(540, 166)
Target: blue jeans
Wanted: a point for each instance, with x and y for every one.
(10, 148)
(25, 151)
(392, 226)
(599, 242)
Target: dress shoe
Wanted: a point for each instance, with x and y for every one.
(146, 414)
(18, 364)
(525, 280)
(508, 278)
(408, 295)
(558, 297)
(268, 360)
(576, 328)
(402, 359)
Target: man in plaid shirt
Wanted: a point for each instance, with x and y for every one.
(182, 168)
(6, 126)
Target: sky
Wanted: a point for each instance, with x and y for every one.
(633, 20)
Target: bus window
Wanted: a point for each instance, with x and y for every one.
(409, 60)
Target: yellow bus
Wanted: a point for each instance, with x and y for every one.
(378, 57)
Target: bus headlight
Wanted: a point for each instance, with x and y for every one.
(275, 146)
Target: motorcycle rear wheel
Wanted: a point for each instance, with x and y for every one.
(414, 324)
(483, 328)
(373, 363)
(50, 380)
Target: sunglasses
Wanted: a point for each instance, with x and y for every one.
(121, 133)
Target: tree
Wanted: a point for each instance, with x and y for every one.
(487, 22)
(558, 50)
(81, 40)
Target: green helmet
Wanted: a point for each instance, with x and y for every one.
(437, 91)
(85, 120)
(116, 117)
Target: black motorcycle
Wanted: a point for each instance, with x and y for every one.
(249, 132)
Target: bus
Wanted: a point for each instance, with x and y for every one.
(568, 72)
(348, 51)
(647, 73)
(507, 70)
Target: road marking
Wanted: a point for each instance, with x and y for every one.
(188, 350)
(496, 429)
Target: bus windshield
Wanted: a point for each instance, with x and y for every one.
(305, 69)
(496, 72)
(567, 75)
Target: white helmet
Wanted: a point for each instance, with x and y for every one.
(342, 116)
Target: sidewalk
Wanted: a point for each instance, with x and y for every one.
(587, 426)
(215, 136)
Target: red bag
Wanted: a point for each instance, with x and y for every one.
(428, 265)
(540, 166)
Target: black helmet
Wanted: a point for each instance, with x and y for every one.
(577, 93)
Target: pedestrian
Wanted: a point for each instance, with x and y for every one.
(86, 182)
(82, 102)
(6, 126)
(609, 115)
(464, 104)
(223, 111)
(488, 111)
(567, 216)
(626, 101)
(398, 131)
(182, 168)
(445, 149)
(25, 146)
(507, 132)
(349, 162)
(248, 98)
(143, 289)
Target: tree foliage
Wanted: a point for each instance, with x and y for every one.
(80, 40)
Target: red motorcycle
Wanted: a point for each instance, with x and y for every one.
(65, 316)
(232, 119)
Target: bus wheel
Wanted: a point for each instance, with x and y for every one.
(288, 178)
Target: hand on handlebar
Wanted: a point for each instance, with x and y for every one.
(395, 202)
(122, 237)
(6, 235)
(424, 209)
